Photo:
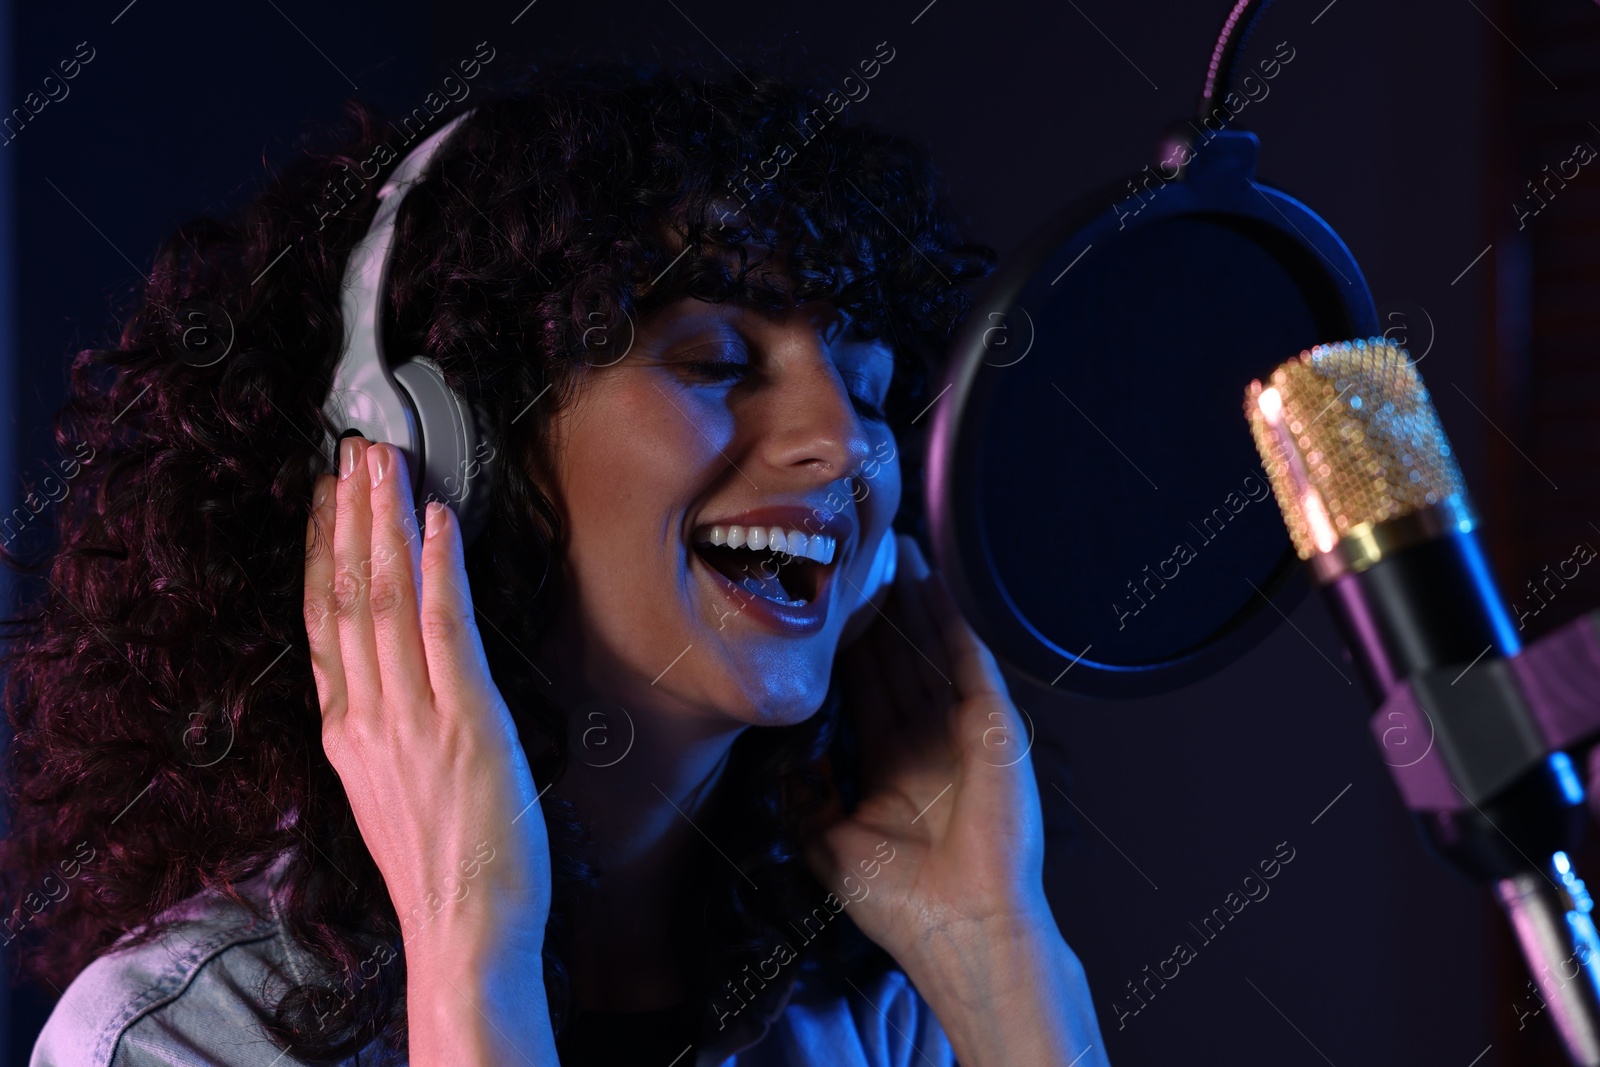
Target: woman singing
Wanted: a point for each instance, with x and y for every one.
(649, 771)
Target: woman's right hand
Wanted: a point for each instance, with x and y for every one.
(431, 763)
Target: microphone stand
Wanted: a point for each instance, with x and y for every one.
(1494, 792)
(1541, 812)
(1549, 910)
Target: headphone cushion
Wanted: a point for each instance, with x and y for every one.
(457, 453)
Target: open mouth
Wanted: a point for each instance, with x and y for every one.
(783, 565)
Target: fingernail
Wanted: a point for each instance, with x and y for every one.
(378, 464)
(321, 496)
(432, 519)
(347, 457)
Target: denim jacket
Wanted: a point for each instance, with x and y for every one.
(198, 993)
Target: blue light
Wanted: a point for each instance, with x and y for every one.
(1505, 634)
(1582, 903)
(1571, 787)
(1586, 945)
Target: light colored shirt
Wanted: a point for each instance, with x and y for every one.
(196, 996)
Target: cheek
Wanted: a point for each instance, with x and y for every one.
(878, 498)
(633, 453)
(630, 461)
(891, 491)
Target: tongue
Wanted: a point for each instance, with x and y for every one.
(752, 573)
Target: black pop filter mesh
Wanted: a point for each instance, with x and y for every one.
(1094, 492)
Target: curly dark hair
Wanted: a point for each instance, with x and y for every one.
(166, 728)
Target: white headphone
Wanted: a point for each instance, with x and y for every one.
(442, 434)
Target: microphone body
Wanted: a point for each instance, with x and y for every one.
(1431, 615)
(1374, 501)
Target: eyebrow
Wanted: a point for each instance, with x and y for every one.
(687, 327)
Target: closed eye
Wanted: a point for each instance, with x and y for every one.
(736, 370)
(864, 404)
(717, 370)
(728, 370)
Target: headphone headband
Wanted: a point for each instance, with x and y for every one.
(409, 404)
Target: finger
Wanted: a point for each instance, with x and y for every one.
(352, 572)
(975, 671)
(894, 652)
(919, 621)
(454, 649)
(322, 629)
(394, 588)
(986, 722)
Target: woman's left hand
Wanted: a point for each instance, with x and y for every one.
(947, 789)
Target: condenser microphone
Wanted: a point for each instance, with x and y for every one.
(1374, 501)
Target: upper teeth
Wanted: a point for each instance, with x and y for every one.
(818, 547)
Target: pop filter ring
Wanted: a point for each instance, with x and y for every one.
(1217, 186)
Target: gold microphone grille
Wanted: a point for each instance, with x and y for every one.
(1350, 441)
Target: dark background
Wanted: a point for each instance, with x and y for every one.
(1410, 127)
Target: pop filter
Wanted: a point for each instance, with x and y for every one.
(1101, 519)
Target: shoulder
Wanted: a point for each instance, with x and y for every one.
(881, 1022)
(196, 994)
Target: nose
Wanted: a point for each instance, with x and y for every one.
(808, 422)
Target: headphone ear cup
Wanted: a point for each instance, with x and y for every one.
(456, 452)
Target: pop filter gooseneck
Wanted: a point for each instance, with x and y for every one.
(1099, 516)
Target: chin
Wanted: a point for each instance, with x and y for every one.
(777, 689)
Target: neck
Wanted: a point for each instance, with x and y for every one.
(640, 779)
